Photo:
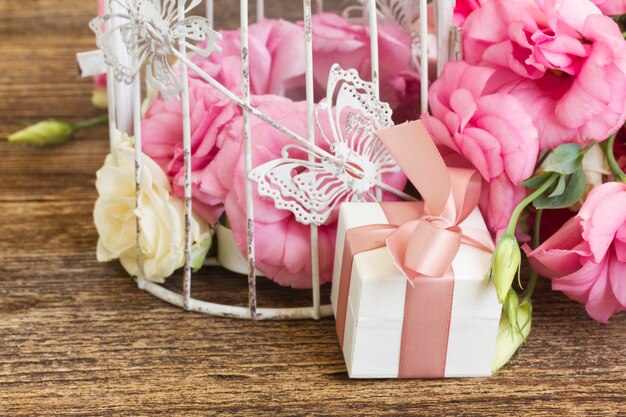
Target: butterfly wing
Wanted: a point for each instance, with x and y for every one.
(196, 29)
(398, 12)
(354, 114)
(310, 190)
(125, 67)
(160, 76)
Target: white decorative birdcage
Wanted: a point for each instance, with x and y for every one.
(137, 34)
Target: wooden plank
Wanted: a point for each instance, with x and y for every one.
(77, 337)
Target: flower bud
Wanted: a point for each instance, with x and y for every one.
(47, 132)
(199, 252)
(511, 308)
(505, 265)
(511, 337)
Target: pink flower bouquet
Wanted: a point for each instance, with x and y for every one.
(538, 106)
(586, 258)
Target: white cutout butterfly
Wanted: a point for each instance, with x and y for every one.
(399, 12)
(149, 31)
(312, 188)
(402, 13)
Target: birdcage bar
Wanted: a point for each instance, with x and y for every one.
(444, 11)
(136, 113)
(111, 94)
(230, 311)
(423, 36)
(319, 6)
(123, 92)
(372, 17)
(187, 164)
(247, 143)
(210, 12)
(455, 48)
(310, 105)
(260, 10)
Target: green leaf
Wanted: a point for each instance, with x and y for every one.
(560, 187)
(574, 189)
(566, 159)
(537, 181)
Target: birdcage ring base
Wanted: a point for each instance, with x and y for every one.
(237, 312)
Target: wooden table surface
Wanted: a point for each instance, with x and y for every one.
(78, 338)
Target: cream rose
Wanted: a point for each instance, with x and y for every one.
(161, 216)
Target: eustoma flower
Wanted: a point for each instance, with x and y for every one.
(162, 131)
(586, 258)
(276, 58)
(611, 7)
(337, 41)
(463, 9)
(564, 60)
(489, 130)
(161, 218)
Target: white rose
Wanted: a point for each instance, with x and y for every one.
(162, 218)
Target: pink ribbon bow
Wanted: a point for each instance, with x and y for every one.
(426, 246)
(423, 240)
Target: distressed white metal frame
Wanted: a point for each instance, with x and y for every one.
(125, 115)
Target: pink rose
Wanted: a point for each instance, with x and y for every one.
(463, 9)
(564, 60)
(586, 258)
(276, 59)
(611, 7)
(162, 133)
(336, 40)
(490, 130)
(283, 248)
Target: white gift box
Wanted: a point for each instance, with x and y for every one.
(375, 310)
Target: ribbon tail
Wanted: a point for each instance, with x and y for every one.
(426, 327)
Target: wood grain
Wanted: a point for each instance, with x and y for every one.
(77, 338)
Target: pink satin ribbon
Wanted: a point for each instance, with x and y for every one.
(423, 240)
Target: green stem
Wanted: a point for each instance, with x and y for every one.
(537, 228)
(91, 122)
(525, 202)
(610, 157)
(532, 282)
